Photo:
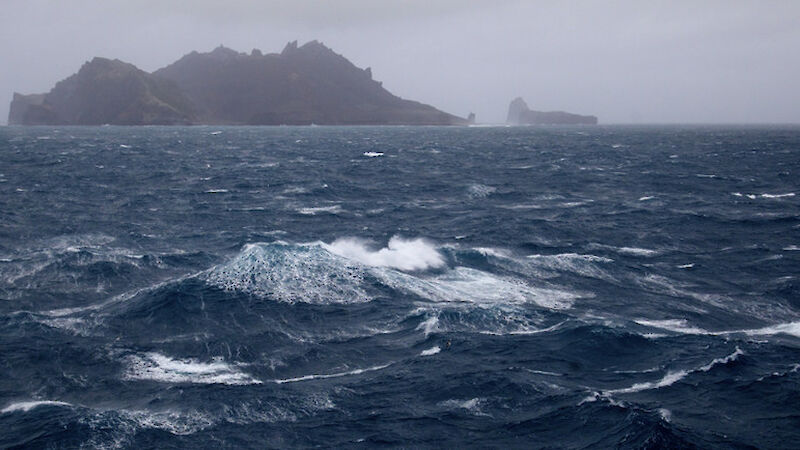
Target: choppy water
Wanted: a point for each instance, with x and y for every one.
(418, 287)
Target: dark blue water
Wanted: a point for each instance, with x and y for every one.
(417, 287)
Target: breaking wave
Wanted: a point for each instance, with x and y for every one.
(402, 254)
(157, 367)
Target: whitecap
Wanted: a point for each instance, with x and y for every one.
(292, 273)
(791, 248)
(789, 194)
(403, 254)
(472, 405)
(313, 211)
(580, 264)
(672, 377)
(466, 285)
(157, 367)
(675, 325)
(765, 195)
(635, 251)
(429, 325)
(431, 351)
(480, 190)
(216, 191)
(29, 405)
(791, 328)
(645, 198)
(330, 375)
(373, 154)
(543, 372)
(725, 360)
(528, 331)
(495, 252)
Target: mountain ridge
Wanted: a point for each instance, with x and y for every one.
(302, 85)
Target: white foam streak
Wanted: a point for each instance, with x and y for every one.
(792, 328)
(157, 367)
(411, 254)
(330, 375)
(465, 285)
(672, 377)
(634, 251)
(669, 379)
(732, 357)
(27, 406)
(764, 195)
(313, 211)
(431, 351)
(683, 327)
(637, 251)
(676, 325)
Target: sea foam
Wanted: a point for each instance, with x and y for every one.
(403, 254)
(157, 367)
(292, 273)
(330, 375)
(467, 285)
(672, 377)
(431, 351)
(29, 405)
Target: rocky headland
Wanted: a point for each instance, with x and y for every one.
(520, 114)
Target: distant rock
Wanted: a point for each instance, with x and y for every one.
(105, 91)
(302, 85)
(520, 114)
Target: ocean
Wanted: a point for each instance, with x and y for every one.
(417, 287)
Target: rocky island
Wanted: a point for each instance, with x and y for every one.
(520, 114)
(302, 85)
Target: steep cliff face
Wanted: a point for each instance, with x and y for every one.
(105, 91)
(520, 114)
(301, 85)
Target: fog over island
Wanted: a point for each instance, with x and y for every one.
(623, 61)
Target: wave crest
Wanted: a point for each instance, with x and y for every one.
(403, 254)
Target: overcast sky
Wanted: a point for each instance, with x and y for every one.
(624, 61)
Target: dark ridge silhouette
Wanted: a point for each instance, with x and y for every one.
(302, 85)
(105, 91)
(520, 114)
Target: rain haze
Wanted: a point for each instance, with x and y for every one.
(623, 61)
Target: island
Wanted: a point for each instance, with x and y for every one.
(302, 85)
(520, 114)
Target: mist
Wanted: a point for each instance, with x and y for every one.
(623, 61)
